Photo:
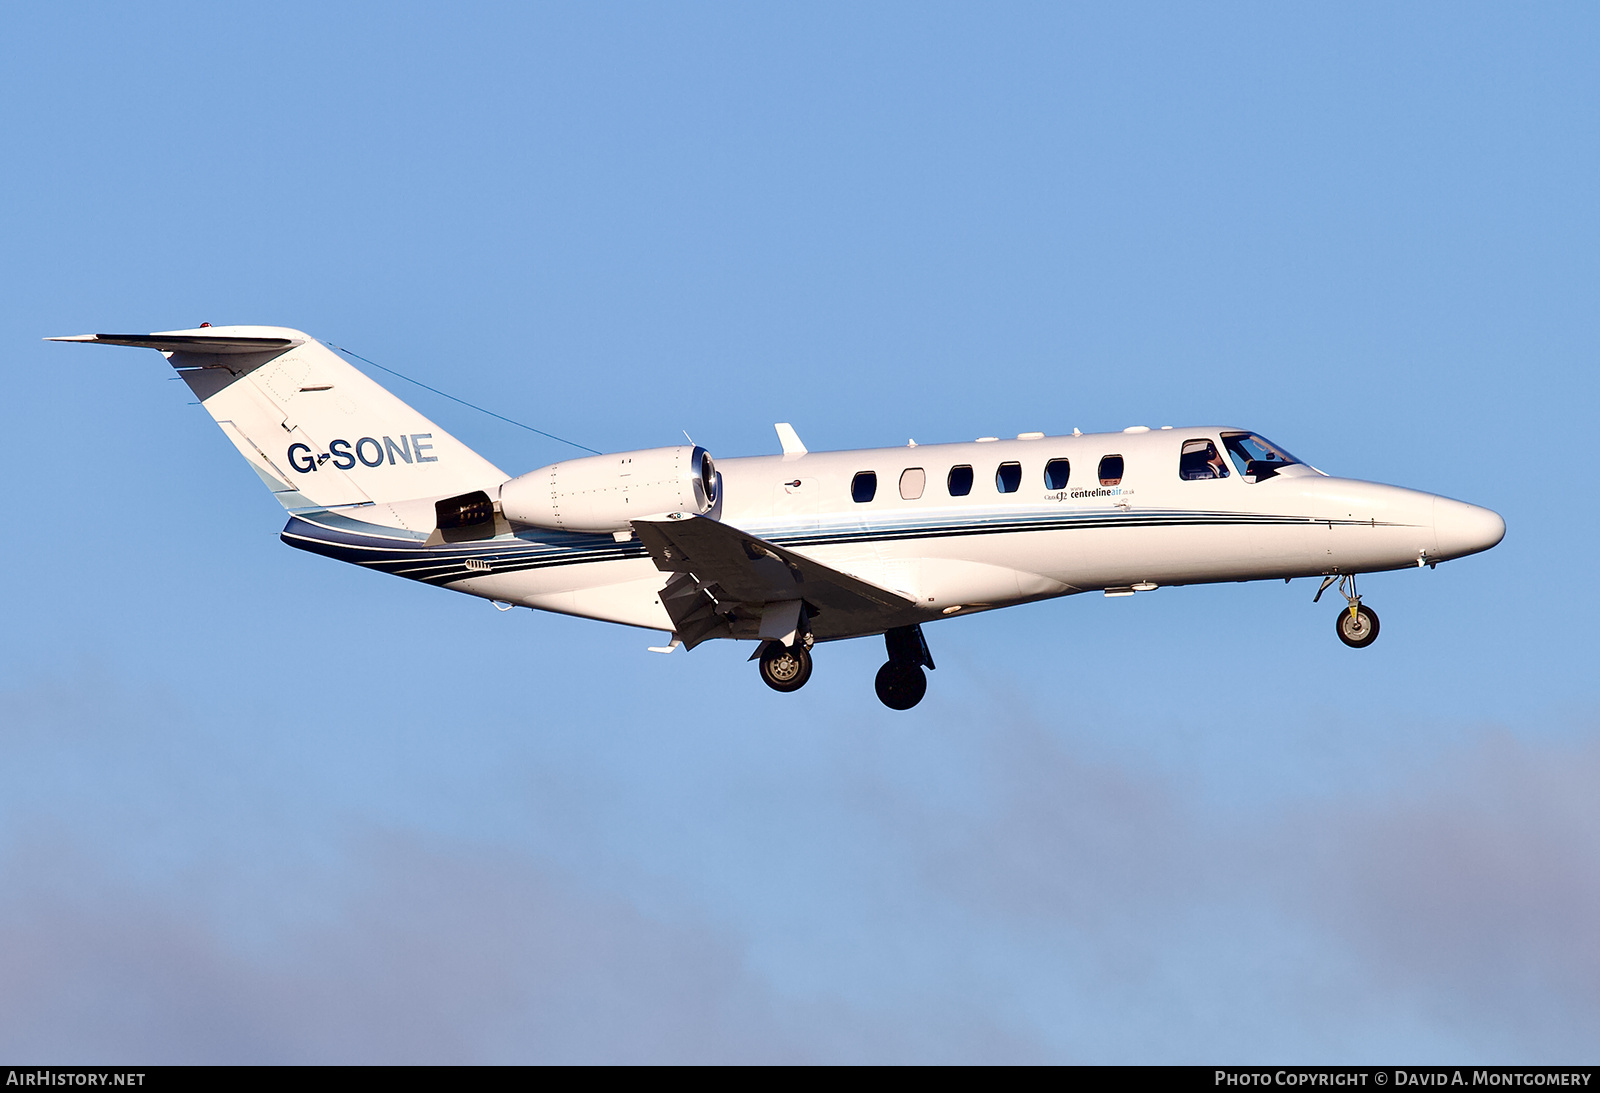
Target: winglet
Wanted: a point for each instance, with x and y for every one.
(789, 439)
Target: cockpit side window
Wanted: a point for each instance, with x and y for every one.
(1111, 470)
(1200, 460)
(1256, 457)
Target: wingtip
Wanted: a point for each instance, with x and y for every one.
(74, 338)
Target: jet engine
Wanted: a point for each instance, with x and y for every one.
(605, 492)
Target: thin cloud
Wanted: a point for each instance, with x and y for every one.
(1065, 907)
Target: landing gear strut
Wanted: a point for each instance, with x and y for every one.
(1357, 625)
(901, 682)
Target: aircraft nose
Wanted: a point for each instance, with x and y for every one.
(1462, 529)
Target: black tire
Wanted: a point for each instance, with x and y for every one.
(1360, 632)
(901, 686)
(785, 669)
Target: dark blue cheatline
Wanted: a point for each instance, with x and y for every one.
(405, 554)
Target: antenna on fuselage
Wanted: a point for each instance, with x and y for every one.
(789, 439)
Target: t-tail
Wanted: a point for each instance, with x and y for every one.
(319, 432)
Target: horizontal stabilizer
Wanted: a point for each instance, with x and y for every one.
(187, 342)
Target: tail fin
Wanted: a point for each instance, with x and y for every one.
(318, 431)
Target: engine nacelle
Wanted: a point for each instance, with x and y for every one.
(605, 492)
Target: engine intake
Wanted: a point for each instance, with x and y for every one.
(605, 492)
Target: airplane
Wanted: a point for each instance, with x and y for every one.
(800, 547)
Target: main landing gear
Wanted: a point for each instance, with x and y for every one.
(784, 668)
(1357, 625)
(901, 682)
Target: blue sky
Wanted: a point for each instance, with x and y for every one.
(257, 806)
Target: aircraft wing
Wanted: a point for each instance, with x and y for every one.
(726, 577)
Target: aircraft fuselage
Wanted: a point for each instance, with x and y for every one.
(988, 548)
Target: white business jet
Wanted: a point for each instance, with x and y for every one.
(791, 549)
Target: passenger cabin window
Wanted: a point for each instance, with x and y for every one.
(1256, 457)
(1056, 473)
(1200, 460)
(960, 481)
(864, 487)
(1008, 478)
(1111, 470)
(912, 482)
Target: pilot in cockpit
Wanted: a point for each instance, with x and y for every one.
(1200, 460)
(1219, 469)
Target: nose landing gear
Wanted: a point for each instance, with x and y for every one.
(901, 682)
(1357, 625)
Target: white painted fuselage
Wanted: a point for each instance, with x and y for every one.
(989, 549)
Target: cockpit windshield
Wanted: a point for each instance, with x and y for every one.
(1256, 457)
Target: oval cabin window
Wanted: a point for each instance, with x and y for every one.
(864, 487)
(912, 483)
(960, 481)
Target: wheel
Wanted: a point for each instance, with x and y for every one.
(1361, 631)
(901, 686)
(785, 669)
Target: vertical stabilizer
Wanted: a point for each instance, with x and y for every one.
(317, 430)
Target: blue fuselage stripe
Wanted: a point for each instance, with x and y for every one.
(443, 563)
